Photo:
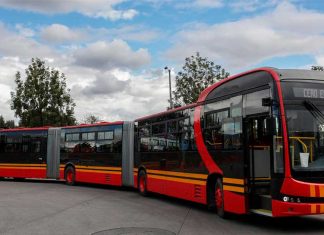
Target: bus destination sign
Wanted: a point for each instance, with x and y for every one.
(309, 93)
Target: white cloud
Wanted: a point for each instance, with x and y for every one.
(105, 84)
(208, 3)
(57, 33)
(199, 4)
(13, 44)
(319, 60)
(62, 34)
(252, 5)
(8, 68)
(94, 8)
(24, 31)
(285, 31)
(103, 78)
(135, 96)
(130, 33)
(108, 55)
(6, 112)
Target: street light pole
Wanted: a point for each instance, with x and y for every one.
(169, 70)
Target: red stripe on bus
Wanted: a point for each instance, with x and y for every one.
(98, 178)
(283, 121)
(280, 208)
(182, 190)
(23, 173)
(201, 147)
(234, 202)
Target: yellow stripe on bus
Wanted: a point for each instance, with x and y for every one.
(233, 181)
(312, 191)
(262, 178)
(321, 189)
(98, 167)
(98, 171)
(22, 168)
(313, 209)
(197, 182)
(20, 165)
(234, 188)
(180, 174)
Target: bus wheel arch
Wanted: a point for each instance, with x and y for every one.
(215, 194)
(69, 174)
(142, 181)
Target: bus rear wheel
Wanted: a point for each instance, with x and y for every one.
(70, 175)
(219, 198)
(142, 183)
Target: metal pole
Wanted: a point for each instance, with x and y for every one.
(169, 70)
(171, 103)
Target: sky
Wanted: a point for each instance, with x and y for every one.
(113, 52)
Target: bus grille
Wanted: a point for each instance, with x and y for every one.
(108, 178)
(197, 191)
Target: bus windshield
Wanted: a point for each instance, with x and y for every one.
(304, 105)
(306, 137)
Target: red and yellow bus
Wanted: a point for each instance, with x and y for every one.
(85, 153)
(252, 143)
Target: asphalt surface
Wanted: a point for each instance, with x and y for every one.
(36, 207)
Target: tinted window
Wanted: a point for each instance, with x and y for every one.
(214, 119)
(107, 135)
(172, 126)
(158, 129)
(252, 102)
(232, 133)
(73, 137)
(245, 82)
(88, 136)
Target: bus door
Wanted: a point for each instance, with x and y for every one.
(258, 145)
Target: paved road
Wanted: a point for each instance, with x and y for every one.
(36, 207)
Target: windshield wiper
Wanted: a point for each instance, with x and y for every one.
(316, 112)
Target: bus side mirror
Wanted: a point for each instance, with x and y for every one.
(267, 102)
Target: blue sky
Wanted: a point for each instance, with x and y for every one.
(113, 51)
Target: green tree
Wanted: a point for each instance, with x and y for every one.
(2, 122)
(6, 124)
(197, 74)
(10, 124)
(317, 68)
(42, 99)
(91, 119)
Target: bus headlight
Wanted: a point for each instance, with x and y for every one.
(285, 199)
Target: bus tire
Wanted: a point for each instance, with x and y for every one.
(142, 183)
(69, 175)
(219, 198)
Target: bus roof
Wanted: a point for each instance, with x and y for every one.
(44, 128)
(95, 124)
(300, 74)
(166, 112)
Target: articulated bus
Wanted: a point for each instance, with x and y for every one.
(86, 153)
(252, 143)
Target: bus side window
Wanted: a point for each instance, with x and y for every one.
(214, 131)
(232, 133)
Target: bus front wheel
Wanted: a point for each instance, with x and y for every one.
(142, 183)
(219, 198)
(70, 175)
